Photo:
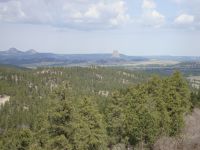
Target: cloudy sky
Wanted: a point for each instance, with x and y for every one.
(133, 27)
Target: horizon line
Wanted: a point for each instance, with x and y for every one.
(60, 53)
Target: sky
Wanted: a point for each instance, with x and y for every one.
(133, 27)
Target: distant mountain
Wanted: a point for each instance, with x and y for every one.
(115, 54)
(11, 51)
(33, 58)
(31, 51)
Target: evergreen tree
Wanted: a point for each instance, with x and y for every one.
(77, 126)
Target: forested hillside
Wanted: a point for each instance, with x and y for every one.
(89, 108)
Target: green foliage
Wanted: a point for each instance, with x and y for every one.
(77, 126)
(17, 139)
(195, 98)
(64, 108)
(177, 95)
(115, 118)
(144, 112)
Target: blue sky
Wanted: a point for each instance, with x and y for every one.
(133, 27)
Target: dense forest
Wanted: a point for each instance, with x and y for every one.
(90, 108)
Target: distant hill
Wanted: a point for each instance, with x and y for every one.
(33, 58)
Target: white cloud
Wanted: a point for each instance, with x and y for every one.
(11, 12)
(92, 12)
(153, 18)
(191, 19)
(148, 4)
(150, 16)
(184, 19)
(68, 13)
